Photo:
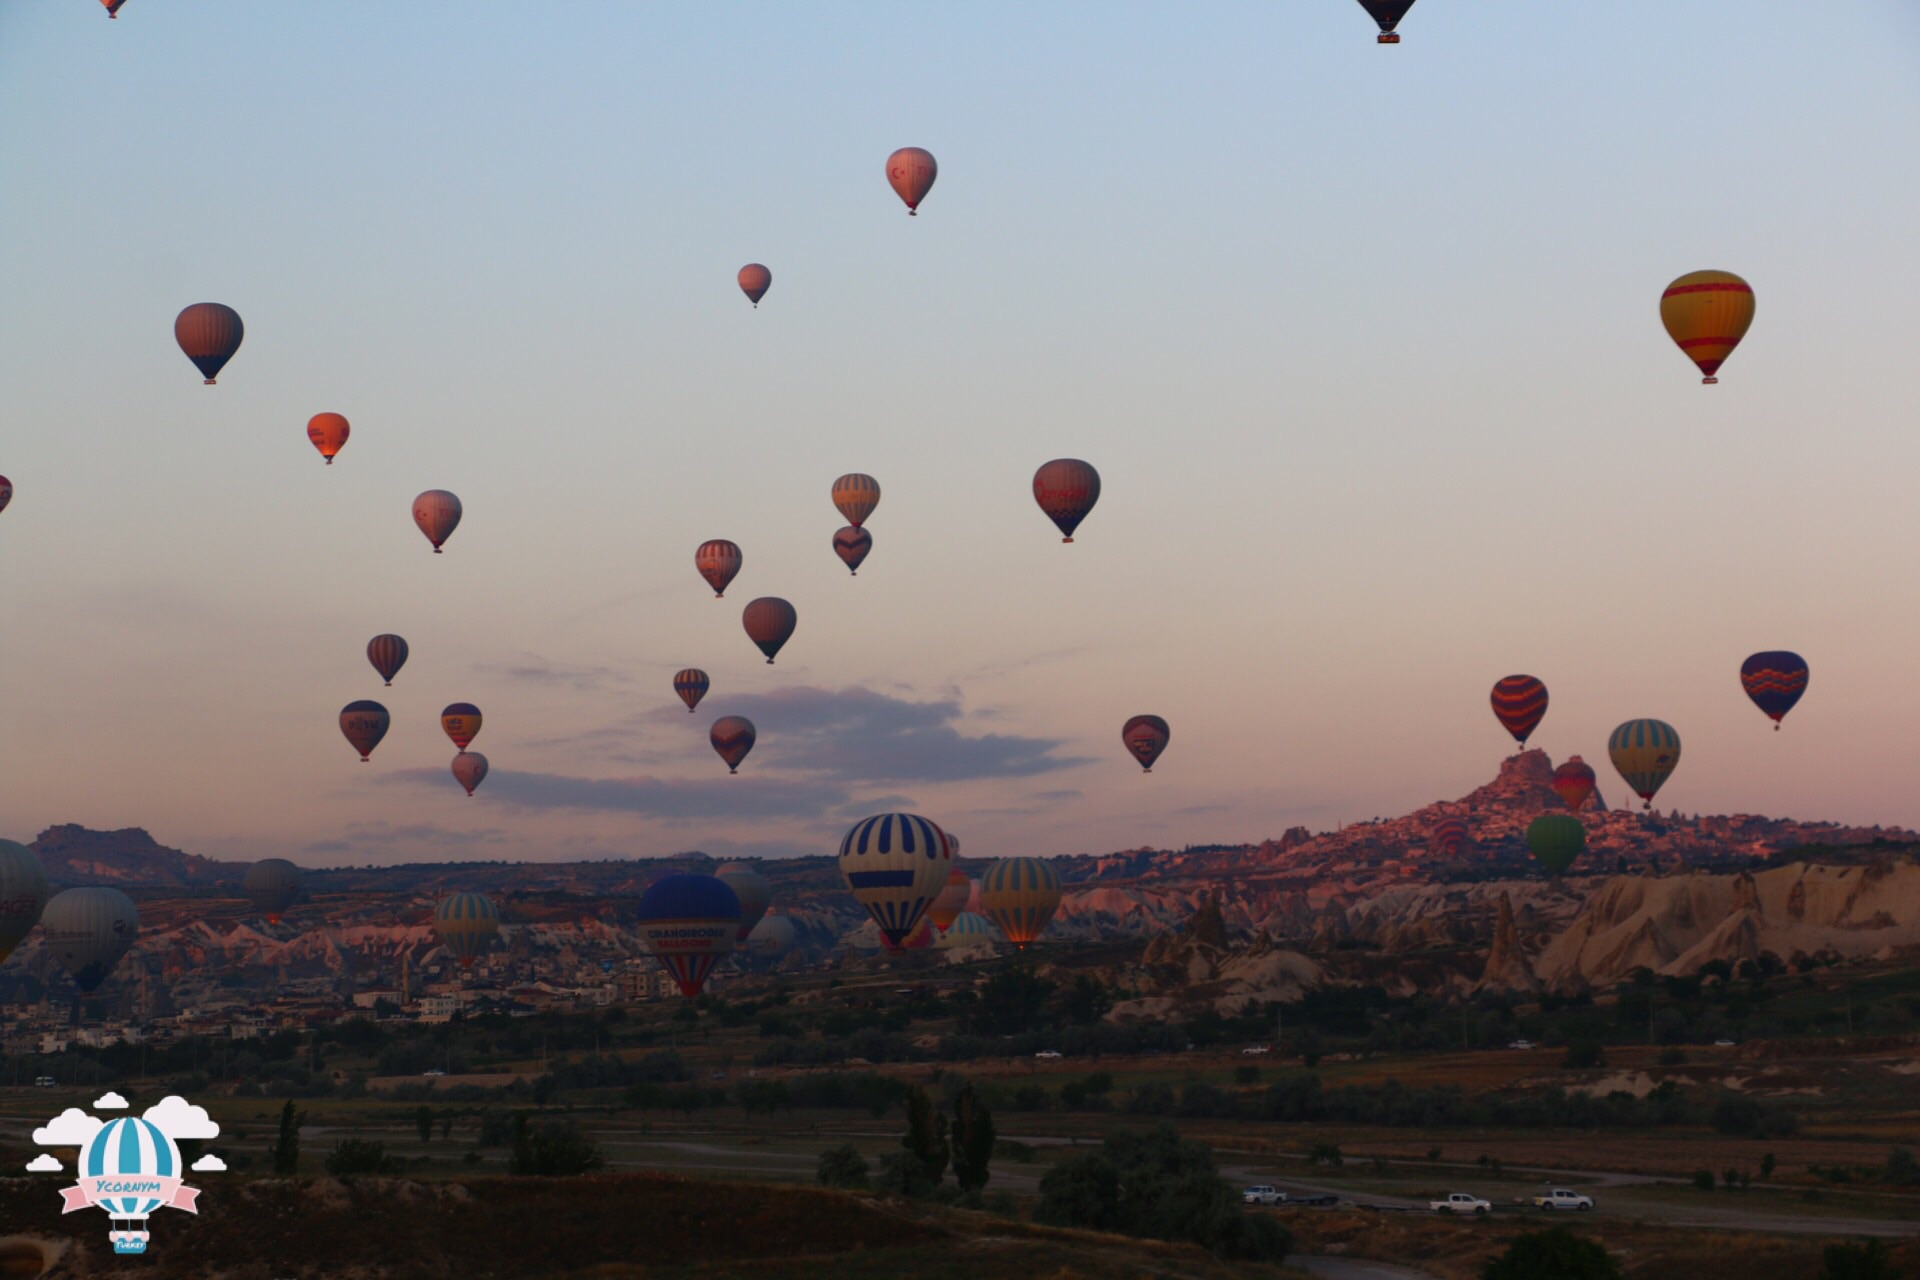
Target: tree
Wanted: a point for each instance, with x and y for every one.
(286, 1147)
(1584, 1054)
(360, 1155)
(446, 1124)
(1767, 1165)
(926, 1136)
(1089, 1000)
(1012, 1001)
(1558, 1253)
(973, 1139)
(423, 1121)
(1869, 1261)
(1902, 1169)
(557, 1149)
(842, 1166)
(1703, 1179)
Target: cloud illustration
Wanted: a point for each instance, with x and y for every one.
(71, 1128)
(209, 1163)
(109, 1101)
(174, 1116)
(44, 1163)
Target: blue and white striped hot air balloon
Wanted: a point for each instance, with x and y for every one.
(968, 930)
(895, 864)
(134, 1152)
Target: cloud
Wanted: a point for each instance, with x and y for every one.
(722, 797)
(71, 1128)
(109, 1101)
(534, 669)
(365, 837)
(174, 1116)
(44, 1163)
(209, 1163)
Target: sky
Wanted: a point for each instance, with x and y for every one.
(1363, 341)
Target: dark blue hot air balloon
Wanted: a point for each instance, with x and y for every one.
(1774, 680)
(688, 923)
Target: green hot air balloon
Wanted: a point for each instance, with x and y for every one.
(272, 885)
(23, 894)
(1556, 840)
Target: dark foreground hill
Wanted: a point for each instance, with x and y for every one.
(609, 1227)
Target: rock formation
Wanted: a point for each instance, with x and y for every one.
(1507, 967)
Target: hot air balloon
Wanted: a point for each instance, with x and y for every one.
(1450, 837)
(1388, 14)
(855, 496)
(920, 939)
(272, 885)
(387, 653)
(755, 280)
(87, 931)
(1066, 490)
(951, 900)
(1573, 782)
(1556, 840)
(329, 432)
(364, 723)
(209, 333)
(1020, 895)
(136, 1158)
(465, 923)
(732, 737)
(1774, 680)
(113, 7)
(953, 843)
(967, 930)
(911, 172)
(852, 545)
(469, 769)
(1146, 737)
(769, 622)
(461, 720)
(1706, 314)
(23, 894)
(895, 864)
(1520, 703)
(6, 492)
(717, 561)
(692, 685)
(772, 938)
(1645, 753)
(751, 888)
(688, 923)
(437, 512)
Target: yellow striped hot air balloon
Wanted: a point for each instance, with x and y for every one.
(1706, 314)
(1020, 895)
(465, 923)
(1646, 752)
(896, 864)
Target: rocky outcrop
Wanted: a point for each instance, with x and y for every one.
(1507, 968)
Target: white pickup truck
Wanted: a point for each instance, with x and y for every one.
(1561, 1198)
(1460, 1202)
(1262, 1194)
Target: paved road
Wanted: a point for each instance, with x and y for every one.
(1355, 1269)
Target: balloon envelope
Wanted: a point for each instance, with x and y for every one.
(469, 769)
(1573, 782)
(688, 923)
(910, 172)
(968, 930)
(772, 938)
(209, 333)
(895, 864)
(1387, 13)
(1451, 837)
(1645, 752)
(465, 923)
(329, 432)
(272, 885)
(732, 737)
(717, 561)
(387, 653)
(856, 495)
(769, 622)
(691, 684)
(364, 723)
(23, 894)
(951, 900)
(1020, 895)
(751, 888)
(1146, 737)
(461, 721)
(1520, 703)
(437, 512)
(88, 930)
(1556, 839)
(755, 280)
(1774, 680)
(1706, 314)
(6, 492)
(1066, 490)
(852, 546)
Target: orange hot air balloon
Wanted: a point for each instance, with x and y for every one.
(951, 900)
(209, 333)
(732, 737)
(691, 684)
(461, 720)
(469, 769)
(437, 512)
(769, 622)
(1573, 782)
(113, 7)
(911, 172)
(755, 280)
(387, 653)
(717, 561)
(329, 432)
(1706, 314)
(852, 546)
(364, 723)
(855, 496)
(1066, 490)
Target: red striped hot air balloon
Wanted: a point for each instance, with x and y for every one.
(364, 723)
(769, 622)
(1706, 314)
(910, 172)
(1573, 782)
(1146, 737)
(438, 513)
(855, 496)
(755, 280)
(732, 737)
(1450, 837)
(329, 432)
(1520, 703)
(387, 653)
(461, 720)
(852, 546)
(209, 333)
(691, 684)
(717, 561)
(1066, 490)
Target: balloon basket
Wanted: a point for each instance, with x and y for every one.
(1066, 539)
(208, 383)
(1709, 381)
(1388, 38)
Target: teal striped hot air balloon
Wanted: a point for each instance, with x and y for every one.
(1646, 753)
(465, 924)
(967, 930)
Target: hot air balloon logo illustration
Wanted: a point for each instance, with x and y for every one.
(129, 1166)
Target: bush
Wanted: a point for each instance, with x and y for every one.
(360, 1156)
(842, 1166)
(1902, 1169)
(1739, 1117)
(1247, 1073)
(1673, 1057)
(1327, 1153)
(1869, 1261)
(1558, 1253)
(902, 1173)
(1584, 1054)
(556, 1149)
(1018, 1152)
(1703, 1179)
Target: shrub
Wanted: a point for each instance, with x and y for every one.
(842, 1166)
(360, 1156)
(556, 1149)
(1327, 1153)
(1018, 1152)
(1902, 1169)
(1673, 1057)
(1703, 1179)
(1583, 1054)
(1869, 1261)
(1557, 1253)
(1247, 1073)
(902, 1173)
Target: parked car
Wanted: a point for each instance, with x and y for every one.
(1262, 1194)
(1460, 1202)
(1256, 1049)
(433, 1071)
(1047, 1053)
(1561, 1198)
(1519, 1044)
(1723, 1044)
(43, 1082)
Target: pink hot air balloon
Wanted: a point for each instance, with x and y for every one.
(387, 653)
(769, 622)
(6, 492)
(911, 172)
(437, 512)
(1066, 490)
(718, 561)
(469, 769)
(364, 723)
(755, 280)
(732, 737)
(852, 546)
